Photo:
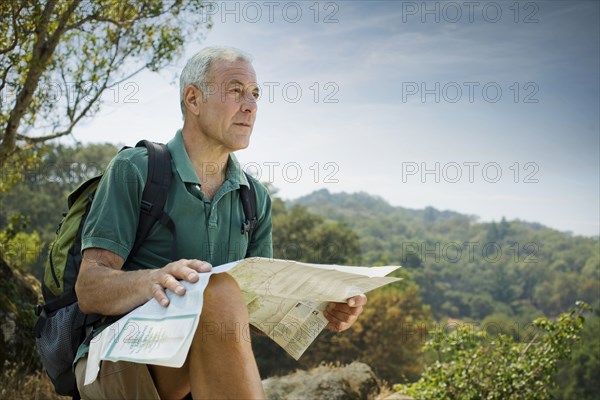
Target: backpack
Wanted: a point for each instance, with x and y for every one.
(61, 327)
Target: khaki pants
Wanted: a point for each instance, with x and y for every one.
(117, 380)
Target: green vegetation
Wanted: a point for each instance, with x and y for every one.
(34, 207)
(474, 365)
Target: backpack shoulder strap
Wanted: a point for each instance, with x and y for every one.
(248, 196)
(154, 196)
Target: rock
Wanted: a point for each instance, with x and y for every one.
(398, 396)
(353, 381)
(19, 293)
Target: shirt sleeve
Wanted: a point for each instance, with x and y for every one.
(113, 218)
(262, 240)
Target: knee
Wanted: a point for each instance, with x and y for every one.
(223, 299)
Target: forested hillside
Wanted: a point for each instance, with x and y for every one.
(466, 268)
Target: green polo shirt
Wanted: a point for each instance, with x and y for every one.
(206, 230)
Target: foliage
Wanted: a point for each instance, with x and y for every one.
(474, 365)
(40, 199)
(303, 236)
(577, 376)
(59, 57)
(390, 332)
(19, 249)
(12, 169)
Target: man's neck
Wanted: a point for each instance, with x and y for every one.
(209, 161)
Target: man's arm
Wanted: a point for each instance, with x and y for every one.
(104, 288)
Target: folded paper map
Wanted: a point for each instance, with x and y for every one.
(285, 300)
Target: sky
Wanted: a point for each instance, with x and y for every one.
(485, 108)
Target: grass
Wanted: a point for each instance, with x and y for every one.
(16, 385)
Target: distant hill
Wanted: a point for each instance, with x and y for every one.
(339, 205)
(466, 268)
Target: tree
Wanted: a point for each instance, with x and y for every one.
(58, 57)
(577, 377)
(302, 236)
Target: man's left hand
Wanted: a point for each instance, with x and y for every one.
(341, 316)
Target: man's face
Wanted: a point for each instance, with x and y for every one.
(228, 107)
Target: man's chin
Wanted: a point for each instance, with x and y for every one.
(240, 144)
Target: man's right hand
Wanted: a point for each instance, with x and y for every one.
(104, 288)
(168, 277)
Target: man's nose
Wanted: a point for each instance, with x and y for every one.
(249, 104)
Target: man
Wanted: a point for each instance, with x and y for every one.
(218, 94)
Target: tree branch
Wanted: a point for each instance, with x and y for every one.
(137, 71)
(39, 139)
(15, 15)
(74, 121)
(97, 18)
(4, 75)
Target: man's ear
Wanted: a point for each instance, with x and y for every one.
(192, 99)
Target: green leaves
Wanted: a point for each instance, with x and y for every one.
(473, 365)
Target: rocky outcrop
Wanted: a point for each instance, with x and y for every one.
(353, 381)
(18, 296)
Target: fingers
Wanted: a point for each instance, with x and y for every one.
(341, 316)
(188, 269)
(159, 294)
(337, 324)
(344, 309)
(197, 265)
(359, 300)
(163, 281)
(169, 277)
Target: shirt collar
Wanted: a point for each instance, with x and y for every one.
(185, 169)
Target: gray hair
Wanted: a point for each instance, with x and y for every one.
(196, 70)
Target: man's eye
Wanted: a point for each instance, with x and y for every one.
(236, 90)
(256, 95)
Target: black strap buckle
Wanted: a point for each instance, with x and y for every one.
(38, 309)
(248, 225)
(146, 206)
(245, 227)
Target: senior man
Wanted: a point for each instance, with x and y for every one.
(218, 97)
